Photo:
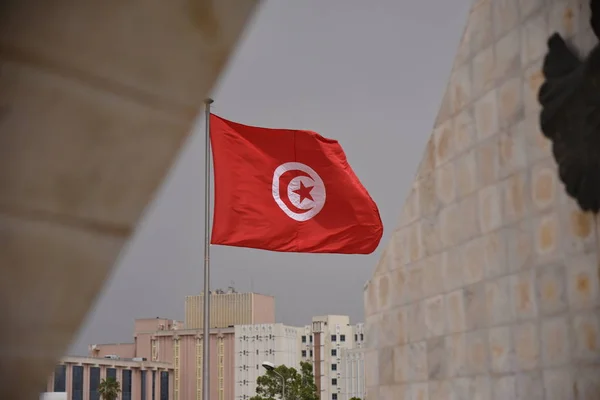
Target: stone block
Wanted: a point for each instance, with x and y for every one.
(445, 183)
(490, 208)
(385, 359)
(505, 16)
(484, 71)
(488, 162)
(547, 238)
(510, 103)
(498, 303)
(440, 390)
(443, 143)
(433, 280)
(586, 337)
(530, 7)
(476, 306)
(520, 246)
(523, 295)
(578, 228)
(487, 115)
(437, 360)
(502, 354)
(527, 346)
(558, 384)
(477, 352)
(452, 268)
(456, 354)
(551, 289)
(480, 25)
(464, 131)
(466, 174)
(534, 33)
(504, 387)
(512, 150)
(455, 311)
(555, 341)
(417, 362)
(417, 330)
(435, 316)
(401, 364)
(515, 197)
(460, 88)
(529, 386)
(582, 281)
(508, 56)
(544, 185)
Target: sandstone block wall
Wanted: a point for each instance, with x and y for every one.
(489, 286)
(96, 99)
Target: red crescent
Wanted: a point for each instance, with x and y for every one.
(284, 182)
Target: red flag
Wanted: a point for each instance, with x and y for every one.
(288, 190)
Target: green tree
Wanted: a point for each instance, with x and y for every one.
(355, 398)
(109, 389)
(298, 385)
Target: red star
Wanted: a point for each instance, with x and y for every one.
(304, 192)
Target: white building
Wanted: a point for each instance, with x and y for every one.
(323, 343)
(254, 344)
(352, 380)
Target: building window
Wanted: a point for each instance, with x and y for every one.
(164, 386)
(333, 352)
(111, 373)
(311, 338)
(77, 384)
(303, 353)
(362, 337)
(143, 385)
(303, 338)
(333, 396)
(356, 337)
(60, 381)
(333, 338)
(334, 367)
(94, 383)
(342, 338)
(334, 381)
(126, 384)
(153, 385)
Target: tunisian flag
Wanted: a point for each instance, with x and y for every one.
(288, 190)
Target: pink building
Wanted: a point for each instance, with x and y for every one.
(79, 377)
(162, 340)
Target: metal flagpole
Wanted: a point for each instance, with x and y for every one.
(206, 326)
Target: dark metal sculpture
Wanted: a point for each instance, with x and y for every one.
(570, 117)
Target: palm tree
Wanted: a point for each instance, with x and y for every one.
(109, 389)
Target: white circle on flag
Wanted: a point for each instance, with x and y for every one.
(298, 190)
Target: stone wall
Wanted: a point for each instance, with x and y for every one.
(489, 286)
(96, 99)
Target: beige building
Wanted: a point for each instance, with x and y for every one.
(229, 308)
(489, 287)
(79, 378)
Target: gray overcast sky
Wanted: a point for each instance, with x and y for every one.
(369, 73)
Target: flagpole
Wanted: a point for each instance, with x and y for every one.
(206, 326)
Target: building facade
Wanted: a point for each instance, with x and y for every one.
(229, 308)
(322, 342)
(255, 344)
(352, 370)
(79, 378)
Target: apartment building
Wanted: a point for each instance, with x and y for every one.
(323, 342)
(255, 344)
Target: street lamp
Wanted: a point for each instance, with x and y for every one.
(269, 366)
